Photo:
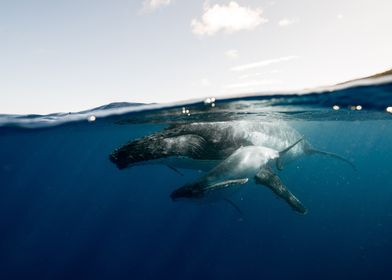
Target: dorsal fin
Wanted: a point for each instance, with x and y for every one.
(279, 164)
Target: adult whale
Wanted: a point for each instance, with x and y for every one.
(202, 146)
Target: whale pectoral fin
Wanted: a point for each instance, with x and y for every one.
(266, 177)
(226, 184)
(175, 169)
(235, 206)
(279, 161)
(312, 151)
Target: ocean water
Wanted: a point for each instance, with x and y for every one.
(67, 212)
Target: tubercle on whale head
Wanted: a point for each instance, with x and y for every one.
(120, 161)
(188, 191)
(123, 161)
(123, 158)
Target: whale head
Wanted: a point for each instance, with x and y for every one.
(139, 151)
(188, 191)
(159, 146)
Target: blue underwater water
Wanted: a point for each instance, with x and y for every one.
(67, 212)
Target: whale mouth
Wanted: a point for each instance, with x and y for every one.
(174, 196)
(121, 164)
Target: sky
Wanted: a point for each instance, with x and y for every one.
(71, 55)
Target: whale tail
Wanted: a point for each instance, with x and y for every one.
(312, 151)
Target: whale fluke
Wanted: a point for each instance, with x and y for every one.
(267, 178)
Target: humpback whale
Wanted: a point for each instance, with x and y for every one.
(246, 162)
(231, 153)
(202, 146)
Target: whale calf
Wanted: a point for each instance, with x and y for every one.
(244, 164)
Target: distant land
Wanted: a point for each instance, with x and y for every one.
(375, 76)
(113, 105)
(379, 75)
(116, 105)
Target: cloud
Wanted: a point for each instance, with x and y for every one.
(252, 75)
(262, 63)
(232, 53)
(340, 16)
(252, 84)
(228, 18)
(286, 22)
(150, 5)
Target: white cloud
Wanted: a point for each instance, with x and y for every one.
(286, 22)
(149, 5)
(262, 63)
(252, 75)
(247, 76)
(251, 84)
(340, 16)
(232, 53)
(228, 18)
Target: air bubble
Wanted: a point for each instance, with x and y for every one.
(209, 100)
